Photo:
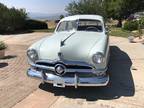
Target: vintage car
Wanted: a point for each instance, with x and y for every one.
(77, 54)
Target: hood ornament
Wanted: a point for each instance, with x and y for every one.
(60, 69)
(60, 55)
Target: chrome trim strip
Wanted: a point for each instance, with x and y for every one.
(69, 81)
(43, 67)
(70, 70)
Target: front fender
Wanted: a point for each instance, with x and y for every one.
(103, 47)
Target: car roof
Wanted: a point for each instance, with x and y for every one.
(77, 17)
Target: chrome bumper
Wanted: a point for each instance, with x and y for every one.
(59, 81)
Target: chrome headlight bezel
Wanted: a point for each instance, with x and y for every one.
(32, 55)
(98, 58)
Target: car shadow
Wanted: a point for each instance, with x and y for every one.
(121, 81)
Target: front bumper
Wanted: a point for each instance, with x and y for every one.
(60, 81)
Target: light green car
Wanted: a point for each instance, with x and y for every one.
(77, 54)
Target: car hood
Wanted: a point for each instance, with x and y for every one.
(76, 46)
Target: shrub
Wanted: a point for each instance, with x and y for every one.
(142, 22)
(11, 19)
(35, 24)
(2, 45)
(131, 25)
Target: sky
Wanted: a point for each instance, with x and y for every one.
(39, 6)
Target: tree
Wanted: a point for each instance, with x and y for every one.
(122, 9)
(61, 16)
(116, 9)
(85, 7)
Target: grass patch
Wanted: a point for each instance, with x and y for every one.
(114, 31)
(119, 32)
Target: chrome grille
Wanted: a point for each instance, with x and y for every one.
(45, 64)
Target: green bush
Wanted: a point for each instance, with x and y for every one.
(35, 24)
(2, 45)
(142, 22)
(131, 25)
(11, 19)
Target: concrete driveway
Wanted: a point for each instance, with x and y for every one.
(126, 88)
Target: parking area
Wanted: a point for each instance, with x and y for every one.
(126, 87)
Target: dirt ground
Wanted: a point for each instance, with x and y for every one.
(126, 88)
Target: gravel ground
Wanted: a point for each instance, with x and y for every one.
(126, 88)
(14, 84)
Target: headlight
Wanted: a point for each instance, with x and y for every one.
(32, 55)
(98, 58)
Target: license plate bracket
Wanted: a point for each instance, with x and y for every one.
(59, 83)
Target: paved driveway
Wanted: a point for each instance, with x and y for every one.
(126, 88)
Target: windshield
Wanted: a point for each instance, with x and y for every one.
(66, 26)
(80, 25)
